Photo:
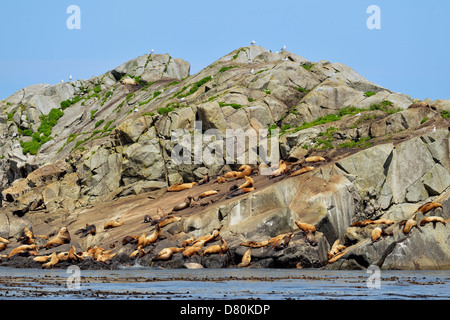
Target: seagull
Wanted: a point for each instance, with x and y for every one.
(62, 81)
(136, 110)
(284, 48)
(434, 129)
(359, 114)
(253, 42)
(152, 51)
(285, 59)
(253, 70)
(70, 77)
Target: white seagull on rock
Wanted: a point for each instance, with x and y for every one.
(253, 42)
(284, 48)
(70, 77)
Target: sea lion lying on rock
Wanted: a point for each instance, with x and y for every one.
(112, 224)
(88, 230)
(61, 238)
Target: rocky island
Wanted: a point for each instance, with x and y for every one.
(88, 176)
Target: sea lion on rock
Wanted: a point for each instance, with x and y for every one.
(282, 169)
(336, 257)
(185, 204)
(311, 239)
(218, 248)
(168, 220)
(21, 250)
(283, 242)
(180, 187)
(53, 261)
(376, 234)
(192, 250)
(231, 174)
(166, 253)
(129, 239)
(255, 244)
(247, 184)
(315, 159)
(112, 224)
(245, 171)
(4, 240)
(335, 249)
(301, 171)
(2, 246)
(129, 81)
(305, 226)
(428, 207)
(221, 180)
(147, 218)
(187, 242)
(432, 219)
(204, 180)
(361, 223)
(409, 224)
(61, 238)
(246, 259)
(206, 194)
(89, 230)
(239, 192)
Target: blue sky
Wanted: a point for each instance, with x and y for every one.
(409, 54)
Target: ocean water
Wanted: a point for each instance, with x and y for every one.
(139, 283)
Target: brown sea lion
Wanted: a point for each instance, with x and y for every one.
(282, 169)
(335, 249)
(230, 174)
(428, 207)
(218, 248)
(3, 246)
(153, 237)
(239, 192)
(204, 180)
(245, 171)
(255, 244)
(21, 250)
(42, 259)
(187, 242)
(89, 230)
(221, 180)
(112, 224)
(315, 159)
(207, 194)
(409, 224)
(336, 257)
(311, 239)
(180, 187)
(129, 239)
(301, 171)
(383, 221)
(139, 253)
(432, 219)
(305, 226)
(376, 234)
(361, 223)
(246, 259)
(283, 242)
(247, 184)
(106, 256)
(53, 261)
(193, 250)
(73, 256)
(185, 204)
(168, 220)
(4, 240)
(61, 238)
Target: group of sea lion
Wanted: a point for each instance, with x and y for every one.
(384, 227)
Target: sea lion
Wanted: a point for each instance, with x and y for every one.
(376, 234)
(204, 180)
(428, 207)
(245, 171)
(153, 237)
(43, 259)
(207, 194)
(53, 261)
(221, 180)
(311, 239)
(335, 249)
(231, 174)
(29, 237)
(106, 256)
(283, 242)
(112, 224)
(180, 187)
(129, 239)
(4, 240)
(61, 238)
(315, 159)
(432, 219)
(89, 230)
(247, 184)
(187, 242)
(301, 171)
(282, 169)
(168, 220)
(186, 203)
(218, 248)
(21, 250)
(160, 214)
(255, 244)
(239, 192)
(166, 253)
(139, 253)
(409, 224)
(305, 226)
(383, 221)
(246, 259)
(336, 257)
(192, 250)
(2, 246)
(73, 256)
(361, 223)
(147, 218)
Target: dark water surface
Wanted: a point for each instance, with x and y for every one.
(138, 283)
